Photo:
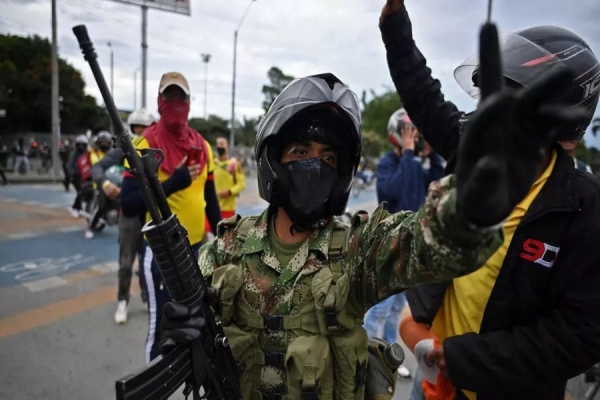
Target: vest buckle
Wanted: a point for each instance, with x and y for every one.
(274, 323)
(275, 359)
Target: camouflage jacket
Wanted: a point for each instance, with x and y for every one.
(386, 254)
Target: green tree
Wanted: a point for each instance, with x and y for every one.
(373, 144)
(377, 111)
(210, 128)
(246, 132)
(25, 90)
(277, 82)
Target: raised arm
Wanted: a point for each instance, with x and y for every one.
(421, 94)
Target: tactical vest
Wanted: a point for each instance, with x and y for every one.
(327, 347)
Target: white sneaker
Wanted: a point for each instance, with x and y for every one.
(121, 313)
(403, 372)
(89, 234)
(75, 213)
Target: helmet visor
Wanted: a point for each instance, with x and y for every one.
(522, 62)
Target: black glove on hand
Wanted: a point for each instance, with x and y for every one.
(501, 152)
(179, 325)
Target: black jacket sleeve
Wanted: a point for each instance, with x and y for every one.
(132, 202)
(436, 118)
(561, 343)
(213, 211)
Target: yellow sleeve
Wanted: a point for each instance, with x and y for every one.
(240, 180)
(139, 143)
(210, 161)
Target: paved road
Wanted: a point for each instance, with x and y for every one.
(57, 299)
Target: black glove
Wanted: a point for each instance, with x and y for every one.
(501, 152)
(179, 325)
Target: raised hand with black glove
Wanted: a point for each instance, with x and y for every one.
(503, 146)
(180, 325)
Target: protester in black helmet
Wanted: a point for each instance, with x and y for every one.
(294, 283)
(528, 320)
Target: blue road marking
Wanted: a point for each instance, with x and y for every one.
(54, 254)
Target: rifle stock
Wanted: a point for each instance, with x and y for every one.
(208, 363)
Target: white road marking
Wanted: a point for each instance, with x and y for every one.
(45, 284)
(106, 268)
(70, 229)
(23, 235)
(53, 282)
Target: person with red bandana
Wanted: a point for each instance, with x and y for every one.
(186, 175)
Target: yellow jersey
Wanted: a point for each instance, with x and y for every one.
(229, 176)
(187, 204)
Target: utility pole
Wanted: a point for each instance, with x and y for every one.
(181, 7)
(235, 39)
(112, 70)
(55, 101)
(205, 59)
(135, 89)
(144, 52)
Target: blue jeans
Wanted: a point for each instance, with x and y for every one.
(417, 389)
(387, 315)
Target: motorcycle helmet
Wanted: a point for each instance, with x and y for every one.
(81, 139)
(396, 124)
(532, 52)
(103, 137)
(139, 117)
(319, 108)
(81, 142)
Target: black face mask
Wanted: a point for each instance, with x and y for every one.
(309, 186)
(221, 151)
(104, 148)
(80, 148)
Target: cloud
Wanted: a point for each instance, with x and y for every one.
(300, 37)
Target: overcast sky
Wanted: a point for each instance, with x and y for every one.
(300, 37)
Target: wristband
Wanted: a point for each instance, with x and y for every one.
(105, 184)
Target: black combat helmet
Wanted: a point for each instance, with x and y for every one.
(319, 108)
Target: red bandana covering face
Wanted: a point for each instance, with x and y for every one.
(173, 135)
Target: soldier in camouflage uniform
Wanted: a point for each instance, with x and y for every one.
(295, 282)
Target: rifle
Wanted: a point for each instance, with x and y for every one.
(208, 362)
